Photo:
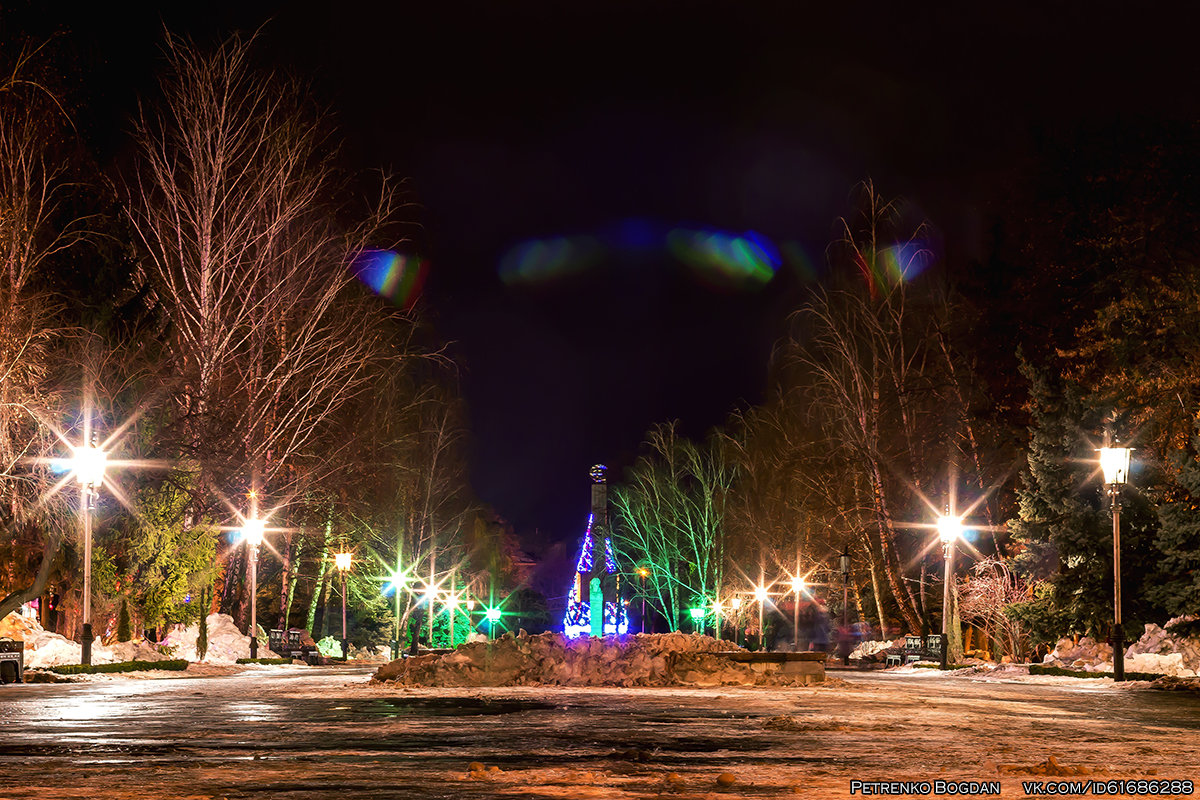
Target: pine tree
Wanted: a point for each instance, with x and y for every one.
(1064, 526)
(124, 628)
(1177, 584)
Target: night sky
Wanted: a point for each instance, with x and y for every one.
(600, 127)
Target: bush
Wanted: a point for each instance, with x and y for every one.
(264, 661)
(121, 666)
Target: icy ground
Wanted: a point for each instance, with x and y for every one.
(297, 732)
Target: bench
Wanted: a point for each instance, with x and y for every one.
(12, 661)
(290, 644)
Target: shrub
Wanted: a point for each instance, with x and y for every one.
(121, 666)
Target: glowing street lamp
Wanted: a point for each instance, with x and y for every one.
(798, 586)
(844, 562)
(697, 619)
(492, 615)
(1114, 463)
(342, 562)
(252, 532)
(736, 605)
(643, 573)
(949, 528)
(88, 464)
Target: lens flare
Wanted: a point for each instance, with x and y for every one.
(540, 260)
(396, 277)
(723, 260)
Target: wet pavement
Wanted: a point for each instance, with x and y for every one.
(295, 732)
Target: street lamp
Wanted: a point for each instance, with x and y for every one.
(88, 463)
(736, 604)
(844, 561)
(492, 615)
(643, 573)
(760, 594)
(697, 619)
(252, 532)
(949, 528)
(342, 562)
(798, 587)
(1114, 463)
(398, 580)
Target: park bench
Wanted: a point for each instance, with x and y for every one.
(916, 648)
(290, 644)
(810, 664)
(12, 661)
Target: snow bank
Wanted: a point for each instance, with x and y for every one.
(550, 658)
(226, 644)
(866, 650)
(46, 649)
(1157, 652)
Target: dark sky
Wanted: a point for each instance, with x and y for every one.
(613, 123)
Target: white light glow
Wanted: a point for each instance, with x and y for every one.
(949, 527)
(1114, 462)
(252, 531)
(89, 464)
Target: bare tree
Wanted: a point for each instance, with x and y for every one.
(248, 256)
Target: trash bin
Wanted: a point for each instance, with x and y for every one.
(12, 661)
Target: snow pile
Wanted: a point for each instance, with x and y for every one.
(1157, 651)
(550, 658)
(330, 647)
(226, 644)
(46, 649)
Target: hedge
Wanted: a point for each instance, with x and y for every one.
(120, 666)
(1042, 669)
(264, 661)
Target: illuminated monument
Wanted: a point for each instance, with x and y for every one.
(595, 606)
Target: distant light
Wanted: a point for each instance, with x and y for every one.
(89, 464)
(342, 561)
(760, 593)
(697, 613)
(799, 584)
(492, 615)
(736, 603)
(253, 530)
(470, 605)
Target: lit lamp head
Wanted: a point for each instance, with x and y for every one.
(470, 605)
(799, 584)
(342, 561)
(1114, 463)
(643, 572)
(492, 615)
(697, 613)
(949, 528)
(845, 561)
(760, 593)
(89, 464)
(736, 603)
(252, 531)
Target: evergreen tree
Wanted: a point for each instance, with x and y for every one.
(1064, 528)
(1177, 584)
(123, 626)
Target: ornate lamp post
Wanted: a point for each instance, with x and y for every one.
(342, 562)
(949, 529)
(493, 616)
(88, 463)
(844, 561)
(252, 532)
(1114, 462)
(798, 586)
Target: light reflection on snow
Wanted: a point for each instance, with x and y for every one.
(254, 711)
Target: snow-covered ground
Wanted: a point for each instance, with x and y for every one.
(295, 732)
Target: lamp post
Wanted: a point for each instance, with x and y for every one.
(736, 604)
(88, 463)
(697, 619)
(644, 573)
(798, 585)
(252, 532)
(760, 594)
(342, 562)
(949, 528)
(844, 561)
(1114, 462)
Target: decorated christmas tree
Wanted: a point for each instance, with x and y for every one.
(595, 606)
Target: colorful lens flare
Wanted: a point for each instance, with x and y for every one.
(542, 260)
(723, 260)
(396, 277)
